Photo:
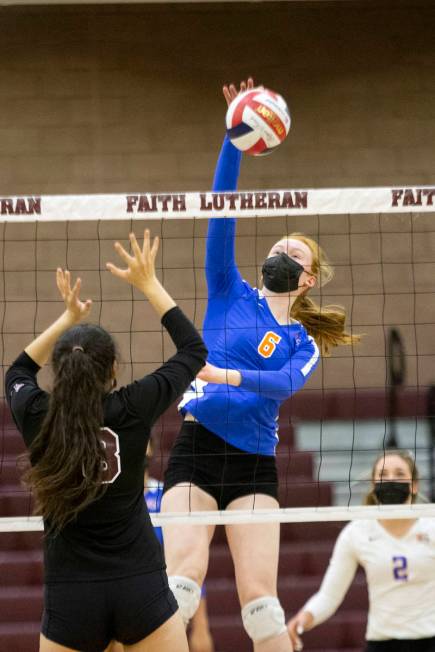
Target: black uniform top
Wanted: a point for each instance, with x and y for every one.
(113, 536)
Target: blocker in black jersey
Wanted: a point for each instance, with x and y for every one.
(112, 537)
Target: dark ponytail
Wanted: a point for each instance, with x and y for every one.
(67, 458)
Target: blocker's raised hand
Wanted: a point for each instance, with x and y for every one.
(76, 308)
(140, 270)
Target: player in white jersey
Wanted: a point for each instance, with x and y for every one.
(398, 557)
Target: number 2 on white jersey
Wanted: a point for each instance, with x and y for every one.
(268, 344)
(400, 568)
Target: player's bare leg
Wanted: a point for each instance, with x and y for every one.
(255, 553)
(45, 645)
(187, 546)
(169, 637)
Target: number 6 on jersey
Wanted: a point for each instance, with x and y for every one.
(268, 344)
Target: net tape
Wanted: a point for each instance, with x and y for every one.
(241, 516)
(255, 203)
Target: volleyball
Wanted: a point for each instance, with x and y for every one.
(257, 120)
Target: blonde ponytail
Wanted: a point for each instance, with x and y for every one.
(326, 324)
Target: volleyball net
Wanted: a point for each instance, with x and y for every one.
(381, 242)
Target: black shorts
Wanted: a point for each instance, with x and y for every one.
(225, 472)
(403, 645)
(86, 616)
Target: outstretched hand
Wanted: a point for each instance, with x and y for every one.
(140, 270)
(302, 622)
(76, 308)
(230, 92)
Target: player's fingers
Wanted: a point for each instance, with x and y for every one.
(67, 277)
(242, 86)
(296, 641)
(135, 246)
(227, 94)
(155, 248)
(60, 282)
(122, 253)
(76, 288)
(146, 244)
(250, 83)
(116, 271)
(233, 91)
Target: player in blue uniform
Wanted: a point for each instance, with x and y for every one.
(263, 346)
(199, 634)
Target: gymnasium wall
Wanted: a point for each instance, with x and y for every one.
(127, 98)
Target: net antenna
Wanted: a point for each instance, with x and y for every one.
(431, 424)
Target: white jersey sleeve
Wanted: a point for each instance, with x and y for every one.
(338, 577)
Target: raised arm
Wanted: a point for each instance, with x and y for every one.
(152, 394)
(27, 401)
(321, 606)
(75, 311)
(220, 264)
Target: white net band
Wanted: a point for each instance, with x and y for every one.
(284, 515)
(255, 203)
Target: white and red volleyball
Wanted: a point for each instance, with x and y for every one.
(257, 120)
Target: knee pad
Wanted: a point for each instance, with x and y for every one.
(187, 593)
(263, 618)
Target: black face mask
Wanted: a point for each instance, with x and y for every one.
(392, 493)
(281, 273)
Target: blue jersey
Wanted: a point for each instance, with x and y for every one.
(153, 497)
(241, 333)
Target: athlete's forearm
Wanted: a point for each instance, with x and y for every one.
(185, 336)
(338, 577)
(220, 265)
(227, 170)
(158, 297)
(42, 346)
(277, 385)
(219, 376)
